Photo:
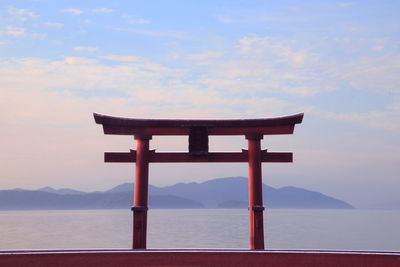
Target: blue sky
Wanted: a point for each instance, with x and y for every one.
(338, 62)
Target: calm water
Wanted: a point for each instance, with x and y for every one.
(203, 228)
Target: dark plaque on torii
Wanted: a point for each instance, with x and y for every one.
(198, 151)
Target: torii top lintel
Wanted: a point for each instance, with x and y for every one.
(133, 126)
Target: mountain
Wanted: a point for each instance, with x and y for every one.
(216, 192)
(231, 192)
(130, 188)
(302, 198)
(27, 200)
(62, 191)
(173, 202)
(122, 188)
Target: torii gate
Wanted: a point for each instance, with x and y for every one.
(198, 132)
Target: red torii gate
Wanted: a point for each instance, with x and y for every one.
(198, 132)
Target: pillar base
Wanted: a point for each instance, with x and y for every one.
(139, 227)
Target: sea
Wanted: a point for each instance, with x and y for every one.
(201, 228)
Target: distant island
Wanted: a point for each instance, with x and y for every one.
(230, 192)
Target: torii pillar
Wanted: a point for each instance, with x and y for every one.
(140, 202)
(256, 208)
(198, 132)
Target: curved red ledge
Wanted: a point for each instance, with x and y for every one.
(185, 123)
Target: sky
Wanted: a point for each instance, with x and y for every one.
(338, 62)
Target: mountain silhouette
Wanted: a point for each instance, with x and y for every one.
(230, 192)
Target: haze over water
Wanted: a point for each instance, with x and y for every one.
(201, 228)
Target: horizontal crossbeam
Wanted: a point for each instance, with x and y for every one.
(188, 123)
(149, 127)
(149, 131)
(163, 157)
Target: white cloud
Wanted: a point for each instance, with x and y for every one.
(171, 43)
(254, 19)
(22, 14)
(378, 73)
(20, 32)
(143, 64)
(2, 43)
(383, 120)
(280, 64)
(376, 44)
(133, 20)
(265, 45)
(263, 65)
(225, 19)
(245, 44)
(151, 88)
(81, 61)
(87, 21)
(102, 10)
(295, 8)
(123, 58)
(345, 4)
(172, 34)
(204, 56)
(85, 48)
(74, 11)
(378, 48)
(395, 106)
(13, 31)
(39, 35)
(58, 25)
